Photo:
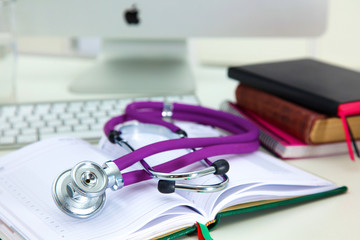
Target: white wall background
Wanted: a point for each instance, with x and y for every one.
(340, 44)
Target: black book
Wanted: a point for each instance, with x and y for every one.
(313, 84)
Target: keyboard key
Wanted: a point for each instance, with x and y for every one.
(8, 110)
(37, 124)
(7, 140)
(81, 128)
(57, 111)
(105, 107)
(58, 108)
(81, 115)
(63, 129)
(71, 122)
(88, 121)
(54, 123)
(14, 119)
(75, 107)
(96, 127)
(3, 119)
(19, 125)
(11, 132)
(102, 120)
(42, 108)
(29, 131)
(32, 118)
(46, 130)
(90, 110)
(27, 138)
(79, 104)
(25, 110)
(4, 126)
(99, 114)
(50, 117)
(113, 113)
(124, 102)
(66, 116)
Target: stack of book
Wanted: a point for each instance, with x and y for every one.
(296, 106)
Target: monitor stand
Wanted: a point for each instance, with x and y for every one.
(138, 67)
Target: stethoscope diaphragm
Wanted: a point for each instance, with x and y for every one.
(71, 202)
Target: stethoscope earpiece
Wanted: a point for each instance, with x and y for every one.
(167, 183)
(165, 186)
(221, 166)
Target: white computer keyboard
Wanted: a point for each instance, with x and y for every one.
(26, 123)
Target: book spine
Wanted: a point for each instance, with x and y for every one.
(292, 118)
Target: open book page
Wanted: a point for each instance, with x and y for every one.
(174, 220)
(26, 178)
(254, 177)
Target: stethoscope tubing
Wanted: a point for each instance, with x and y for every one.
(150, 112)
(201, 119)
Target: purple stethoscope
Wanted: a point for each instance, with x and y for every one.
(80, 191)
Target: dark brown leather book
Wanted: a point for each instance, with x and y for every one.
(303, 123)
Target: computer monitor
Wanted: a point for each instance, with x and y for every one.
(144, 41)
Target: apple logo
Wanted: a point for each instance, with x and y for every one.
(132, 16)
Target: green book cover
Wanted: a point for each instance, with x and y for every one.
(257, 206)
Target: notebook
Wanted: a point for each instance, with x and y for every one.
(317, 85)
(283, 144)
(257, 181)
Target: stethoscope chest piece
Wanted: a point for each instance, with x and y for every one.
(80, 192)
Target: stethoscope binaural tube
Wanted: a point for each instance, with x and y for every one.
(80, 192)
(167, 179)
(150, 112)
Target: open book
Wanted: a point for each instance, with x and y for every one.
(139, 211)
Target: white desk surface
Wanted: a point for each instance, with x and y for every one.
(46, 78)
